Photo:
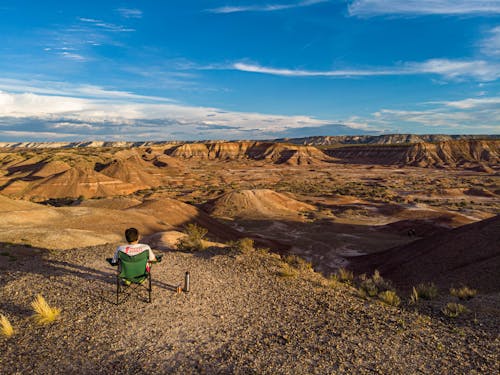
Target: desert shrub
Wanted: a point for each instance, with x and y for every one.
(427, 290)
(244, 245)
(330, 281)
(298, 263)
(413, 297)
(463, 293)
(371, 287)
(345, 276)
(5, 326)
(192, 242)
(381, 283)
(389, 297)
(287, 271)
(367, 288)
(44, 314)
(452, 310)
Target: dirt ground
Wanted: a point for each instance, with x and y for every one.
(240, 317)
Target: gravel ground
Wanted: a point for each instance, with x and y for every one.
(240, 317)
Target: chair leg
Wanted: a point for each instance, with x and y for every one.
(117, 290)
(149, 288)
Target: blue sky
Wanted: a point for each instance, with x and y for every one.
(243, 69)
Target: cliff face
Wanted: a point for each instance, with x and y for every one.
(463, 153)
(277, 153)
(453, 153)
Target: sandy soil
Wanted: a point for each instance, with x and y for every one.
(240, 317)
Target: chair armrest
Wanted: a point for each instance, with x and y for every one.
(110, 261)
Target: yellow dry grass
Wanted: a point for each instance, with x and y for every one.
(5, 326)
(44, 314)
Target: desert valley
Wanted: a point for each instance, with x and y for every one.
(295, 230)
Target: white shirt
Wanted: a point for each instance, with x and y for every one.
(134, 250)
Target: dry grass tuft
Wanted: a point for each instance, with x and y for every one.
(287, 271)
(298, 263)
(389, 297)
(413, 297)
(372, 286)
(329, 282)
(244, 245)
(5, 326)
(452, 310)
(427, 290)
(345, 276)
(463, 293)
(44, 314)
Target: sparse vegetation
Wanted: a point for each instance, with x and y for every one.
(193, 240)
(44, 314)
(287, 271)
(389, 297)
(453, 310)
(6, 327)
(345, 276)
(372, 286)
(463, 293)
(427, 290)
(244, 245)
(298, 263)
(413, 297)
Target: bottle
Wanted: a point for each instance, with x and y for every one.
(186, 282)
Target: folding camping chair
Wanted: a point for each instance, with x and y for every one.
(133, 273)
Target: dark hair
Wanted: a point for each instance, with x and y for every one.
(132, 234)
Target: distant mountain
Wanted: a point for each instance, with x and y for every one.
(385, 139)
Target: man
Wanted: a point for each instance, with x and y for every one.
(134, 247)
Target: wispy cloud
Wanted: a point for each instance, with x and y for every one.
(115, 116)
(72, 56)
(490, 46)
(368, 8)
(473, 115)
(480, 70)
(130, 13)
(71, 90)
(106, 26)
(264, 7)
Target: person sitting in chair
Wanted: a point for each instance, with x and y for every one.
(134, 247)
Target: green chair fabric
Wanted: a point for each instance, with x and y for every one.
(133, 271)
(133, 268)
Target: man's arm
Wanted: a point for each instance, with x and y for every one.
(115, 257)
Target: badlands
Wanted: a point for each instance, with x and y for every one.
(287, 222)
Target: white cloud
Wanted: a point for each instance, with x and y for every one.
(73, 56)
(110, 117)
(490, 46)
(264, 7)
(472, 115)
(480, 70)
(106, 26)
(130, 13)
(67, 89)
(452, 69)
(367, 8)
(472, 103)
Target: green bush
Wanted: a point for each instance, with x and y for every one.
(244, 245)
(345, 276)
(463, 293)
(389, 297)
(427, 290)
(452, 310)
(193, 240)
